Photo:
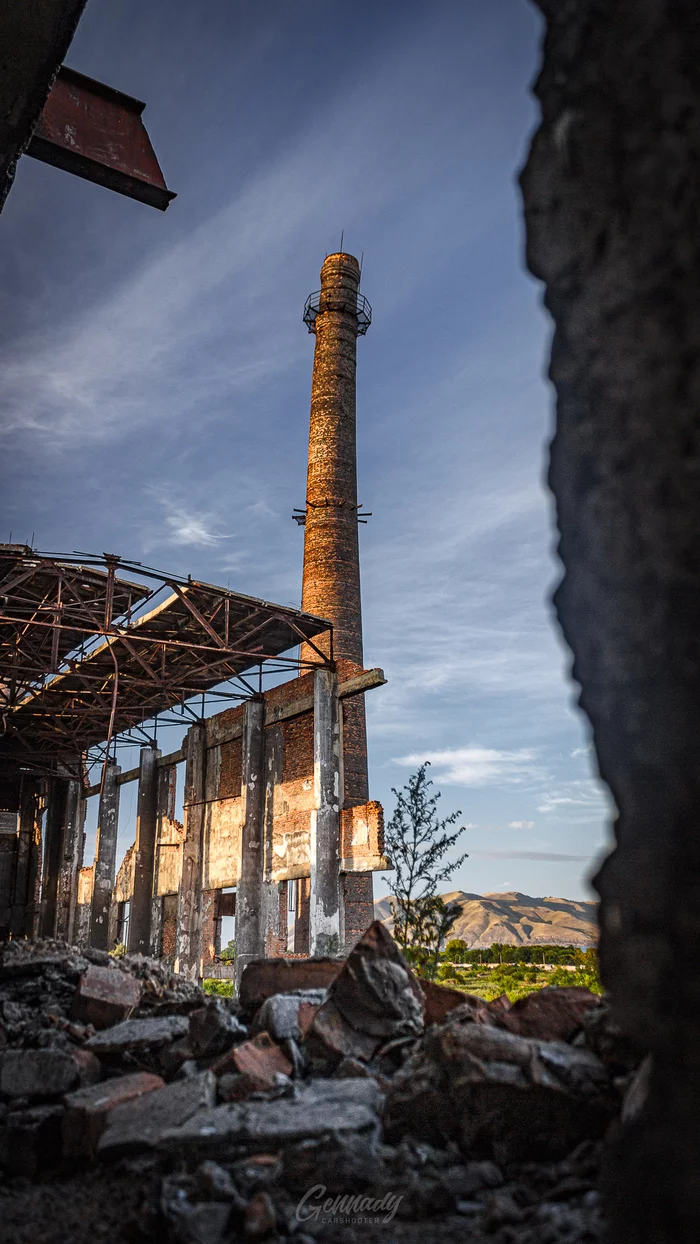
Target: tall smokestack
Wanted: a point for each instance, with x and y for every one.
(338, 314)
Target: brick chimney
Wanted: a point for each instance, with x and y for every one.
(338, 314)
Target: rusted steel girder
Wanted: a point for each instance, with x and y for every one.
(95, 132)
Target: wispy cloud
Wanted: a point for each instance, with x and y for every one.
(521, 825)
(479, 766)
(582, 795)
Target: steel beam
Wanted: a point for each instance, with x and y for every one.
(95, 132)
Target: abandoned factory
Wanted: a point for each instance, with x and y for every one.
(263, 811)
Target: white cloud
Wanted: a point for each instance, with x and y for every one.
(583, 751)
(584, 795)
(522, 825)
(479, 766)
(185, 528)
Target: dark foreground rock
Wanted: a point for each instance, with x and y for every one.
(368, 1107)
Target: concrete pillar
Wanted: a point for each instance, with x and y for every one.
(23, 912)
(326, 917)
(188, 937)
(53, 845)
(249, 891)
(71, 860)
(612, 199)
(144, 853)
(274, 932)
(105, 858)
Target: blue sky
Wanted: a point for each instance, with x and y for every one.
(157, 371)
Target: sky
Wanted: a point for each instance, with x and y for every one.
(157, 373)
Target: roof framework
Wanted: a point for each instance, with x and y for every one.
(87, 654)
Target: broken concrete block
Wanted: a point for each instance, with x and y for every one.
(331, 1038)
(139, 1034)
(37, 1073)
(88, 1109)
(138, 1125)
(522, 1099)
(376, 990)
(288, 1016)
(213, 1029)
(105, 996)
(343, 1106)
(263, 978)
(550, 1014)
(30, 1140)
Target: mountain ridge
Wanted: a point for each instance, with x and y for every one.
(514, 919)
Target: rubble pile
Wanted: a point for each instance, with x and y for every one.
(357, 1102)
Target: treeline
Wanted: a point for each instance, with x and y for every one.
(457, 951)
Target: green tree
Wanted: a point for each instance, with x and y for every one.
(418, 841)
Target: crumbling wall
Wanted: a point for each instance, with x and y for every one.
(612, 202)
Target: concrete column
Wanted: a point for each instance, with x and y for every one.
(105, 858)
(249, 892)
(144, 853)
(53, 842)
(326, 922)
(71, 860)
(273, 932)
(188, 937)
(28, 847)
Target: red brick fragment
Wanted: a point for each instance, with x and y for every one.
(551, 1014)
(439, 1001)
(105, 996)
(88, 1110)
(263, 978)
(90, 1067)
(261, 1058)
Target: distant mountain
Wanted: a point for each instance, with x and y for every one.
(515, 919)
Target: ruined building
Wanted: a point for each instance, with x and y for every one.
(278, 828)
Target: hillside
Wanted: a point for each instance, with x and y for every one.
(515, 919)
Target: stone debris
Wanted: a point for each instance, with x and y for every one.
(141, 1123)
(37, 1073)
(341, 1106)
(105, 996)
(515, 1096)
(288, 1016)
(213, 1029)
(134, 1035)
(354, 1078)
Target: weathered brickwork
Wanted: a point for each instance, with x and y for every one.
(331, 585)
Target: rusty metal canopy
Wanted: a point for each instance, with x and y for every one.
(96, 132)
(83, 658)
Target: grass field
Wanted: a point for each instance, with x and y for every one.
(514, 979)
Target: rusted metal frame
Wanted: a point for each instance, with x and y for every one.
(178, 643)
(327, 661)
(56, 634)
(199, 616)
(27, 573)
